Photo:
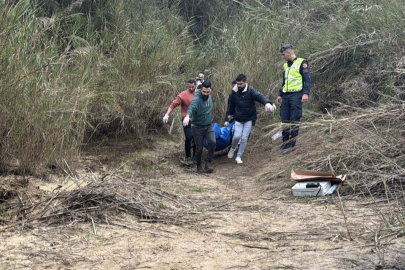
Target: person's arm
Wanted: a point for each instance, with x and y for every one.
(169, 111)
(280, 92)
(227, 110)
(259, 97)
(192, 108)
(306, 77)
(190, 111)
(227, 116)
(231, 104)
(173, 105)
(306, 80)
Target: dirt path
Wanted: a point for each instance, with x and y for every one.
(247, 219)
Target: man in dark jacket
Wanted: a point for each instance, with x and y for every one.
(242, 108)
(200, 112)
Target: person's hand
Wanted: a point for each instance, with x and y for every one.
(304, 98)
(186, 120)
(269, 107)
(166, 118)
(279, 99)
(226, 124)
(274, 108)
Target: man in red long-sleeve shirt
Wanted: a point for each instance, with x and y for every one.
(184, 99)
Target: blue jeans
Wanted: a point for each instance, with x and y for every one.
(241, 133)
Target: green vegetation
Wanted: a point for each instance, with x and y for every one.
(72, 72)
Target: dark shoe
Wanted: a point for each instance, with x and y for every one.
(292, 143)
(288, 149)
(200, 169)
(287, 145)
(189, 161)
(208, 167)
(284, 146)
(193, 160)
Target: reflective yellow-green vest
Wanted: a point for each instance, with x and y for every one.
(292, 77)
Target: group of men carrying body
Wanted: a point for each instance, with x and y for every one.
(196, 110)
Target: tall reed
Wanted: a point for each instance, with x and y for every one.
(44, 93)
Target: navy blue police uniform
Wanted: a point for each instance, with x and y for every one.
(291, 105)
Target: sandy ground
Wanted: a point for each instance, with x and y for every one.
(247, 218)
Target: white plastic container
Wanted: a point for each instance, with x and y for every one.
(277, 135)
(300, 189)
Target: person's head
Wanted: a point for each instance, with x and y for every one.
(287, 52)
(201, 77)
(233, 83)
(191, 85)
(206, 90)
(241, 81)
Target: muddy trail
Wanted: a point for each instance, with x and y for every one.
(243, 217)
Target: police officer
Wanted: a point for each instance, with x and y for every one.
(293, 93)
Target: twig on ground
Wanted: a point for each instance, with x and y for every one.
(344, 216)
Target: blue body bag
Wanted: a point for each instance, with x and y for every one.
(223, 136)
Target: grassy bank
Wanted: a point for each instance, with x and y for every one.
(72, 73)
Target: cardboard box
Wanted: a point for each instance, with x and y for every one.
(300, 175)
(303, 189)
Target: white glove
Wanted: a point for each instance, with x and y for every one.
(186, 120)
(274, 108)
(269, 107)
(226, 124)
(166, 118)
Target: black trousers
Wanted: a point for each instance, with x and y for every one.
(291, 112)
(199, 133)
(188, 141)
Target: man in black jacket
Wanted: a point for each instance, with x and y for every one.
(242, 108)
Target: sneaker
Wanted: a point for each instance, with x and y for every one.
(193, 160)
(189, 161)
(200, 169)
(208, 167)
(230, 153)
(238, 160)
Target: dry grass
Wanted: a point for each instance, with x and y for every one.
(98, 201)
(255, 219)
